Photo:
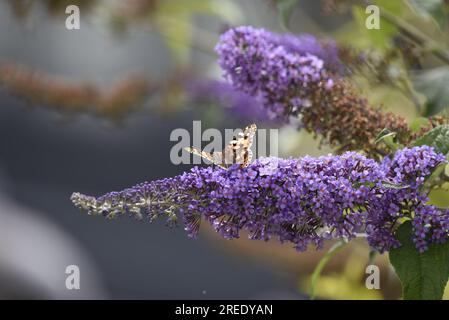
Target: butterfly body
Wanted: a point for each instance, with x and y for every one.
(238, 150)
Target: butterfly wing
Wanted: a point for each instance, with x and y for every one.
(239, 149)
(215, 157)
(248, 138)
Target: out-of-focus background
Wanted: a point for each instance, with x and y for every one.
(91, 110)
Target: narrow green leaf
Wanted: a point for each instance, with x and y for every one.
(386, 136)
(386, 184)
(437, 138)
(423, 275)
(390, 185)
(365, 184)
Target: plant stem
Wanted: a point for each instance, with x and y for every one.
(323, 262)
(416, 35)
(410, 93)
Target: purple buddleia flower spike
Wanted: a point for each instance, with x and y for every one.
(256, 63)
(301, 201)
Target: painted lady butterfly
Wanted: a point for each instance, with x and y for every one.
(238, 150)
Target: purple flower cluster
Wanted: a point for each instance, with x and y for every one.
(408, 168)
(302, 201)
(270, 67)
(326, 50)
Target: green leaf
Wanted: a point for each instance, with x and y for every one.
(385, 134)
(423, 275)
(418, 124)
(439, 198)
(437, 138)
(435, 177)
(387, 137)
(365, 184)
(430, 10)
(323, 262)
(395, 186)
(285, 9)
(386, 184)
(434, 84)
